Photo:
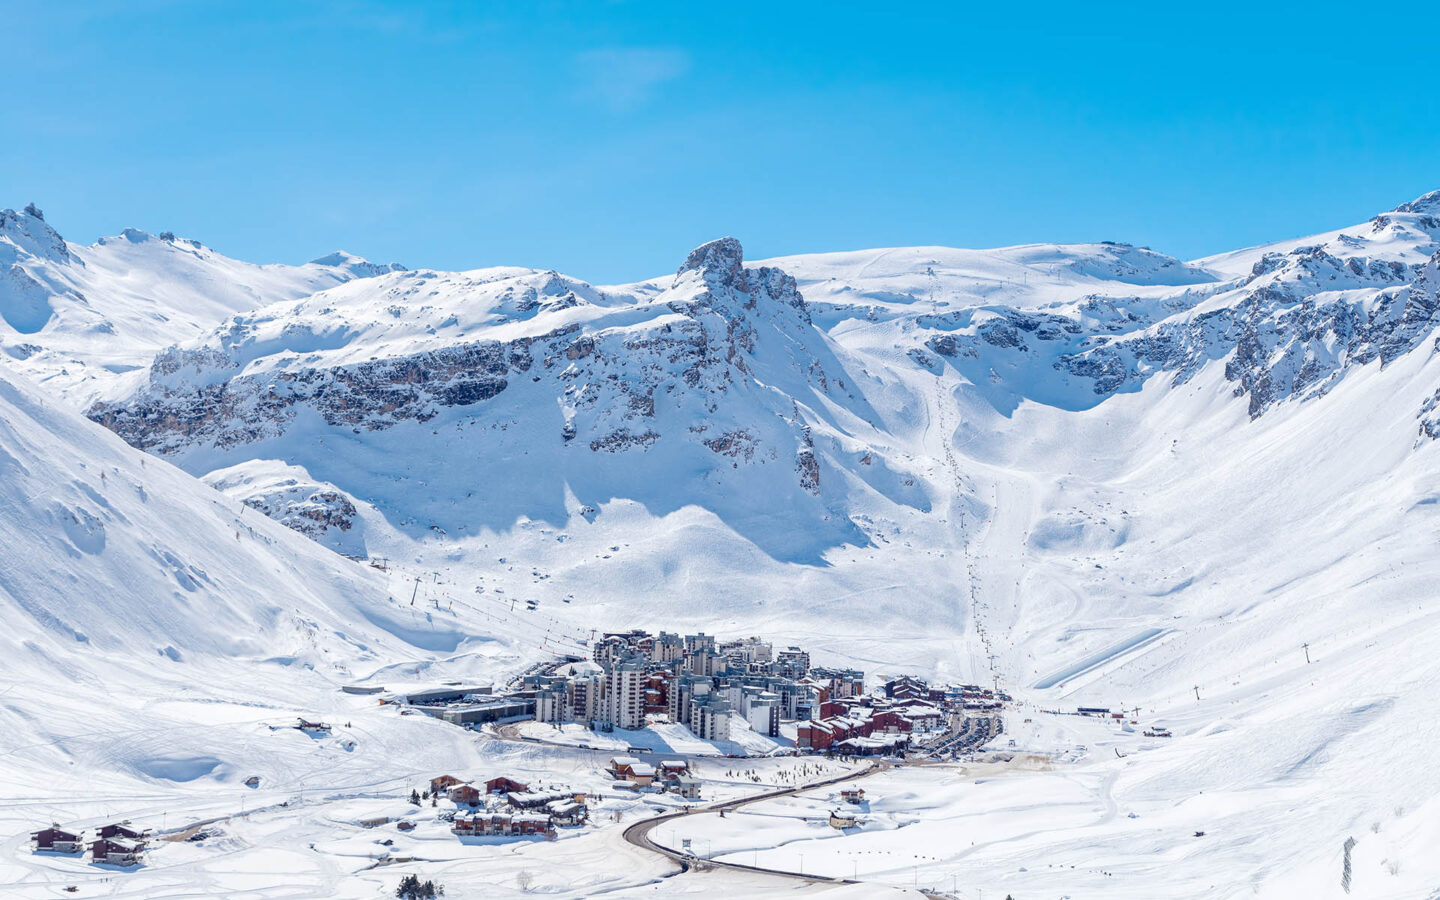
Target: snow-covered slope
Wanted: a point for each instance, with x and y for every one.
(159, 641)
(716, 391)
(79, 315)
(1091, 472)
(127, 585)
(785, 406)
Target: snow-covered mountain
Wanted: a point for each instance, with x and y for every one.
(78, 316)
(1092, 472)
(776, 396)
(712, 388)
(153, 627)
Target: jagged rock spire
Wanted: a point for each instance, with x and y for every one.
(721, 260)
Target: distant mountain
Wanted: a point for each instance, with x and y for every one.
(764, 394)
(801, 412)
(717, 380)
(77, 316)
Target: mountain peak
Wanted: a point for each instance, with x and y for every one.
(1426, 203)
(721, 258)
(29, 231)
(356, 265)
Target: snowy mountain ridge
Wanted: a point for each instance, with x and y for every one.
(748, 369)
(82, 317)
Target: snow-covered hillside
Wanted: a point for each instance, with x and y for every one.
(1094, 473)
(79, 316)
(125, 580)
(716, 391)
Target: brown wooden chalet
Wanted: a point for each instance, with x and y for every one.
(632, 770)
(465, 794)
(57, 840)
(117, 851)
(443, 783)
(125, 831)
(504, 785)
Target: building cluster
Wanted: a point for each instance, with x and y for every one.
(117, 845)
(671, 775)
(461, 704)
(695, 680)
(633, 678)
(503, 806)
(883, 722)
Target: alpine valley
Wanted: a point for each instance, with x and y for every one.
(1204, 494)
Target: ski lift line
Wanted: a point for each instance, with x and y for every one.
(506, 603)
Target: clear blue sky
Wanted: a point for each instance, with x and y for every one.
(607, 138)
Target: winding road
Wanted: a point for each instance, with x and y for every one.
(639, 833)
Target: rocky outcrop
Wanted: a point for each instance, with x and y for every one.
(25, 238)
(720, 332)
(173, 413)
(312, 513)
(1283, 337)
(27, 234)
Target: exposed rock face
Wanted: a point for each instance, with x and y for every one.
(621, 378)
(310, 512)
(1284, 337)
(369, 395)
(720, 264)
(1291, 327)
(719, 379)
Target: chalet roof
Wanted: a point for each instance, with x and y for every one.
(872, 742)
(535, 798)
(59, 833)
(503, 817)
(124, 829)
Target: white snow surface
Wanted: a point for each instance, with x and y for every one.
(80, 316)
(1071, 499)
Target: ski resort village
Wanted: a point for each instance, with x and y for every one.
(741, 695)
(1049, 571)
(674, 744)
